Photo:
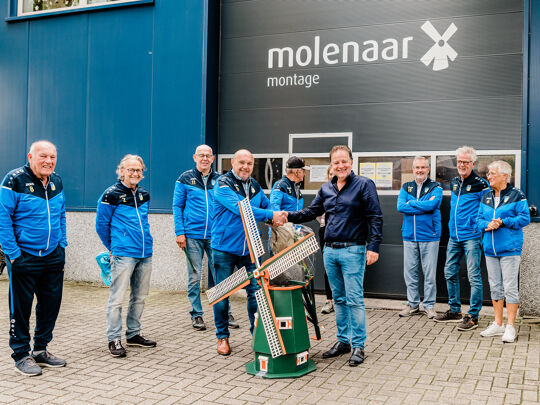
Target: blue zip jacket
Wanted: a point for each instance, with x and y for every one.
(122, 221)
(464, 203)
(227, 229)
(193, 204)
(32, 217)
(513, 210)
(283, 196)
(353, 214)
(421, 216)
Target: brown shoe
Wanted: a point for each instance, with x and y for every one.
(223, 347)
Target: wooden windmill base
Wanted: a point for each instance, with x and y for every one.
(291, 318)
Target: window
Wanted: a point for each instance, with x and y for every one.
(38, 7)
(266, 170)
(388, 172)
(446, 167)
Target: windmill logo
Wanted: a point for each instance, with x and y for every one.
(440, 52)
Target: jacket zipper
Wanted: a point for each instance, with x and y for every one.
(206, 198)
(48, 219)
(493, 231)
(140, 222)
(455, 212)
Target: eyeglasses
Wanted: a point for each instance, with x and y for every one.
(131, 171)
(204, 155)
(464, 162)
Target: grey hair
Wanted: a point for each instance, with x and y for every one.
(502, 166)
(34, 144)
(123, 163)
(467, 150)
(419, 157)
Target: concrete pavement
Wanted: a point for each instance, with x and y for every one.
(409, 361)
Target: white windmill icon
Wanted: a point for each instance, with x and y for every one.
(440, 52)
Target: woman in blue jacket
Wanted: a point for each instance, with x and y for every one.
(503, 213)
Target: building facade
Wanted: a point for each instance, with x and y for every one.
(158, 77)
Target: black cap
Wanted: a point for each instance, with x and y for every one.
(295, 162)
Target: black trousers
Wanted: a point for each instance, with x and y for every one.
(28, 276)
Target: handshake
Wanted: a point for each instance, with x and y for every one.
(279, 218)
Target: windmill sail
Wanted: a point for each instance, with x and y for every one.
(236, 281)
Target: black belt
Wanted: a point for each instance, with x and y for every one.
(341, 245)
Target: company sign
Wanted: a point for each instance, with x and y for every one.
(366, 51)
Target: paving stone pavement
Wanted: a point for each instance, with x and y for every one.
(409, 361)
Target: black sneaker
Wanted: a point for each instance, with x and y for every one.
(116, 348)
(232, 322)
(449, 316)
(468, 323)
(140, 340)
(198, 323)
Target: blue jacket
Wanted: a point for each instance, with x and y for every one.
(513, 209)
(353, 214)
(32, 217)
(122, 221)
(283, 196)
(227, 229)
(193, 204)
(464, 203)
(421, 216)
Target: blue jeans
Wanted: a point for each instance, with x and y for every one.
(416, 254)
(127, 272)
(224, 264)
(195, 249)
(472, 249)
(345, 268)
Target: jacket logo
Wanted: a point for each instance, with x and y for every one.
(288, 188)
(454, 188)
(31, 188)
(468, 188)
(53, 187)
(237, 188)
(506, 198)
(252, 190)
(193, 180)
(488, 200)
(409, 189)
(213, 182)
(140, 197)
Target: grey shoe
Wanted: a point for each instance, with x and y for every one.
(409, 311)
(27, 366)
(198, 323)
(46, 359)
(430, 313)
(116, 348)
(233, 323)
(468, 323)
(328, 307)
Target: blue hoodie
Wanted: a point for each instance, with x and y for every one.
(464, 203)
(32, 217)
(122, 221)
(513, 210)
(193, 204)
(227, 229)
(421, 216)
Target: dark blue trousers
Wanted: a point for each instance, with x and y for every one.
(28, 276)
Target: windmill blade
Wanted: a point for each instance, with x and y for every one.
(290, 256)
(449, 32)
(269, 322)
(255, 245)
(236, 281)
(431, 31)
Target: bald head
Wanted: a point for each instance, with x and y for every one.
(42, 159)
(242, 163)
(204, 157)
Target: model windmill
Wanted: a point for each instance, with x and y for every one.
(280, 339)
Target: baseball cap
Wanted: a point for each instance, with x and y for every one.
(295, 162)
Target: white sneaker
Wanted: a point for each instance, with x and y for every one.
(493, 330)
(509, 334)
(430, 313)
